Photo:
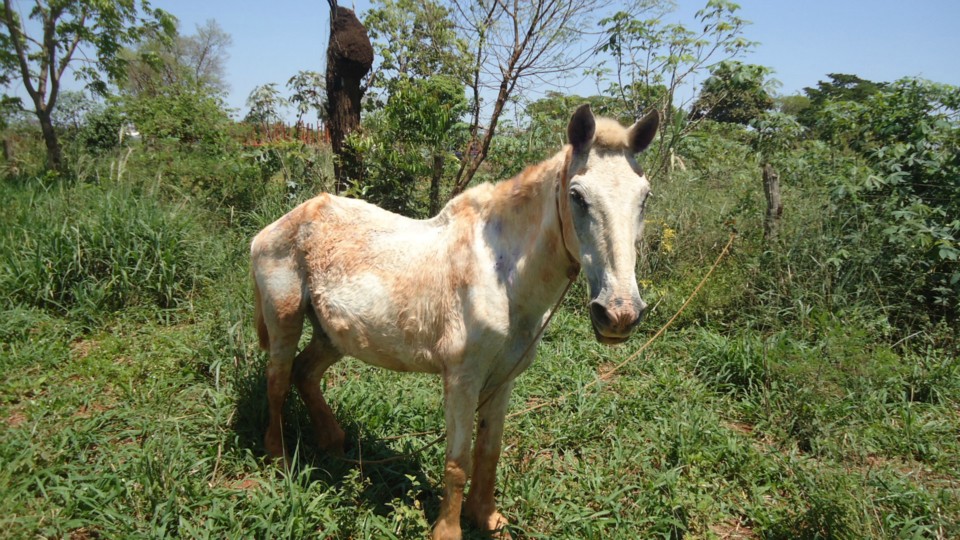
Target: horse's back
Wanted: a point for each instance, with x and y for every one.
(385, 288)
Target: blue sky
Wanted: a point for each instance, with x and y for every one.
(802, 40)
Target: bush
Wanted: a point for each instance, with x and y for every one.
(101, 131)
(408, 147)
(191, 118)
(903, 205)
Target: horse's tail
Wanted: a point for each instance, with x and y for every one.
(258, 317)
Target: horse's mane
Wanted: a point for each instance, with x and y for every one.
(610, 134)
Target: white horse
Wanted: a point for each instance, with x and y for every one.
(463, 294)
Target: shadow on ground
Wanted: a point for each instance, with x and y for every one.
(388, 481)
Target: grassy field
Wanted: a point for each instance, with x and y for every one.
(132, 396)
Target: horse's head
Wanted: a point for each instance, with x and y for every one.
(604, 197)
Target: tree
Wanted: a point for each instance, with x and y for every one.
(646, 53)
(191, 118)
(67, 28)
(206, 54)
(410, 140)
(735, 93)
(73, 108)
(414, 39)
(514, 44)
(349, 58)
(265, 103)
(900, 204)
(793, 105)
(173, 88)
(160, 62)
(841, 87)
(426, 113)
(553, 110)
(420, 72)
(308, 94)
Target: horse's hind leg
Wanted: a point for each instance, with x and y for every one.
(308, 370)
(278, 386)
(281, 314)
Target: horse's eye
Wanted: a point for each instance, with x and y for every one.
(578, 198)
(643, 204)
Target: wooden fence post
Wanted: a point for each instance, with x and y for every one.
(771, 188)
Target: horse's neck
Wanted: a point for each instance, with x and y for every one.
(530, 239)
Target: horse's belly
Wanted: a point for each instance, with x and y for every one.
(363, 319)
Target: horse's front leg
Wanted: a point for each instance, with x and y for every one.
(460, 402)
(480, 506)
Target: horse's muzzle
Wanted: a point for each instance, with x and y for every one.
(614, 324)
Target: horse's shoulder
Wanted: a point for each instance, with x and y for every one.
(465, 209)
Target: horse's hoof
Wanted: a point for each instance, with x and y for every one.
(496, 525)
(332, 441)
(444, 531)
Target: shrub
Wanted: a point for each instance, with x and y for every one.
(189, 117)
(101, 131)
(410, 144)
(904, 203)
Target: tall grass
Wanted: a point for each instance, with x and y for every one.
(88, 250)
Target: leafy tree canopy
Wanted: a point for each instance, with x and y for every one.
(309, 93)
(161, 63)
(841, 87)
(265, 104)
(735, 93)
(414, 39)
(95, 30)
(792, 105)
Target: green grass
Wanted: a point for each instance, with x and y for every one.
(153, 432)
(128, 409)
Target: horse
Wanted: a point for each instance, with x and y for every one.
(464, 294)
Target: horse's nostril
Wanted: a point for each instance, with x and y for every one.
(600, 314)
(641, 311)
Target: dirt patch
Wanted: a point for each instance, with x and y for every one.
(761, 441)
(740, 427)
(84, 533)
(243, 484)
(909, 469)
(82, 348)
(608, 372)
(733, 530)
(86, 411)
(16, 419)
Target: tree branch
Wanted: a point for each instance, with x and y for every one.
(12, 22)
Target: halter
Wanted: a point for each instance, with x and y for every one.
(561, 189)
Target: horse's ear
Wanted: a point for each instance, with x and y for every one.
(581, 129)
(641, 134)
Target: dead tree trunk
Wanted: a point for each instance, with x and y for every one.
(349, 57)
(771, 188)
